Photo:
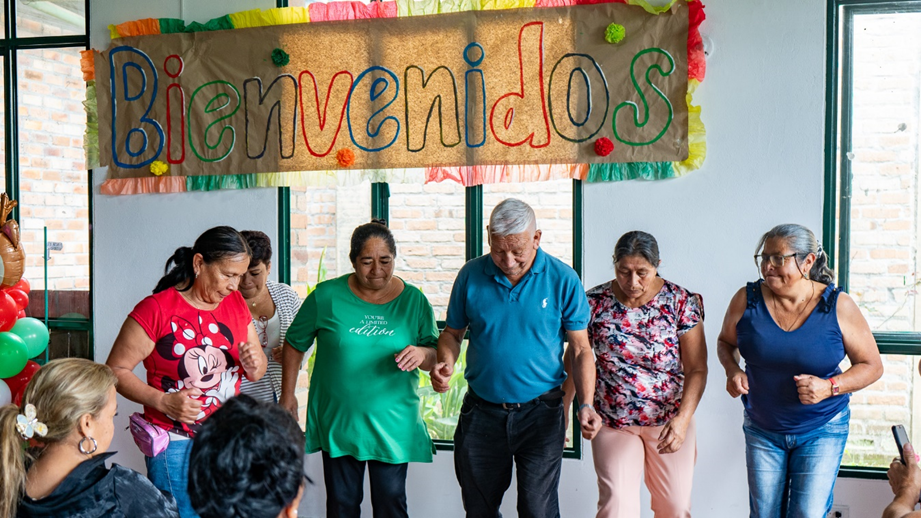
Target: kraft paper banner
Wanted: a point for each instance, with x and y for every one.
(476, 88)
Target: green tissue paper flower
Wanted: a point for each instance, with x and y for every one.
(615, 33)
(280, 57)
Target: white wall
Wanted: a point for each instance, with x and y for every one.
(763, 105)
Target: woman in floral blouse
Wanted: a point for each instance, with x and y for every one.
(648, 338)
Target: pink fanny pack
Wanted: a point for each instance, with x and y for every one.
(151, 439)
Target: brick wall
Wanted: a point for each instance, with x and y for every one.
(884, 221)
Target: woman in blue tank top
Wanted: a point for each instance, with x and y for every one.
(794, 328)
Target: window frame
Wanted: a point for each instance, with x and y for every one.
(10, 45)
(837, 206)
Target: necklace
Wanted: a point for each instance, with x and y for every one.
(798, 315)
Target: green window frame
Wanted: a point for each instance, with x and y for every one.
(10, 46)
(838, 186)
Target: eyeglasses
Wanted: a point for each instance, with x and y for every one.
(777, 261)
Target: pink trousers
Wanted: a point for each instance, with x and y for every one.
(623, 456)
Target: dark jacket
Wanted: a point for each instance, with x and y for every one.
(91, 490)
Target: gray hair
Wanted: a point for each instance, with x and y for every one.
(512, 216)
(637, 243)
(802, 242)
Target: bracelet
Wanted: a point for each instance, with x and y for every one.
(835, 389)
(583, 405)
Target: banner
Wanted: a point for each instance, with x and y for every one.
(475, 88)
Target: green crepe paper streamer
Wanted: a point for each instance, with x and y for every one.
(91, 135)
(615, 33)
(173, 25)
(280, 57)
(217, 182)
(617, 172)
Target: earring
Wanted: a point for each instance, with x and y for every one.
(84, 450)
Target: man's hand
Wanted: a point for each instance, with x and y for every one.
(673, 434)
(812, 389)
(289, 403)
(905, 479)
(589, 421)
(441, 376)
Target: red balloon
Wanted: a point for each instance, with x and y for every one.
(19, 297)
(17, 398)
(8, 311)
(23, 285)
(22, 379)
(21, 314)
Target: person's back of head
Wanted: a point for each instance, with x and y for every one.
(60, 394)
(247, 462)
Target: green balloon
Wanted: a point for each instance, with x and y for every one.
(34, 333)
(13, 355)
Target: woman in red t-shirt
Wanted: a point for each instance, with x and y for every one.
(196, 338)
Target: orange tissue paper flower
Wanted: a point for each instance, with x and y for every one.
(345, 157)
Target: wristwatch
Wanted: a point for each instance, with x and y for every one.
(835, 389)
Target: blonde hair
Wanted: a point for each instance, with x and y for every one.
(62, 392)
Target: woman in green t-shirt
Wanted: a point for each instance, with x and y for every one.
(373, 332)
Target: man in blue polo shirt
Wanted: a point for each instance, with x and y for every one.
(520, 305)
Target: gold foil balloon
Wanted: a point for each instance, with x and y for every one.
(12, 255)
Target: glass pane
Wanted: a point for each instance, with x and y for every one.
(894, 399)
(68, 344)
(428, 225)
(552, 204)
(2, 128)
(884, 156)
(50, 17)
(322, 221)
(440, 411)
(53, 181)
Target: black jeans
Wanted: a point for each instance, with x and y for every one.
(489, 437)
(344, 477)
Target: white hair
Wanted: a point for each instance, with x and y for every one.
(512, 216)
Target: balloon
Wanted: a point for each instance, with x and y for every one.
(8, 311)
(34, 333)
(23, 285)
(6, 397)
(21, 314)
(19, 297)
(20, 380)
(17, 397)
(13, 355)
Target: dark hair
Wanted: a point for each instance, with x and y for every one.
(261, 247)
(214, 244)
(247, 461)
(639, 243)
(802, 242)
(361, 235)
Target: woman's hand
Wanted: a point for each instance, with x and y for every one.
(253, 359)
(673, 433)
(812, 389)
(289, 403)
(410, 358)
(182, 405)
(737, 383)
(276, 354)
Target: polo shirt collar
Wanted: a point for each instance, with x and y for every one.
(539, 265)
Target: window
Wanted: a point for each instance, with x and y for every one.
(873, 189)
(43, 163)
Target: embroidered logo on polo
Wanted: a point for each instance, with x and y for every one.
(544, 303)
(372, 325)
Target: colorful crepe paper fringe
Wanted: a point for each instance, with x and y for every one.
(466, 175)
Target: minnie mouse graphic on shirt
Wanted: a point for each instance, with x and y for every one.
(203, 352)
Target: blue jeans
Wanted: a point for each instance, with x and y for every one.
(344, 477)
(793, 476)
(169, 471)
(488, 438)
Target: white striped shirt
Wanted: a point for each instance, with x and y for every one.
(286, 306)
